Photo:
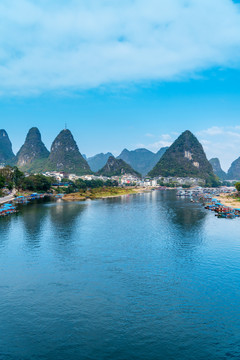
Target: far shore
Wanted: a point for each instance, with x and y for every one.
(104, 193)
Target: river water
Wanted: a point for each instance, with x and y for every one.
(142, 277)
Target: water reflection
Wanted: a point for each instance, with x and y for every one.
(66, 226)
(64, 217)
(34, 217)
(5, 227)
(187, 215)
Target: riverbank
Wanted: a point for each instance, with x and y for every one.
(103, 193)
(229, 200)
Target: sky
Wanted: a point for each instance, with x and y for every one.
(123, 73)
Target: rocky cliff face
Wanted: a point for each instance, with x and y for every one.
(65, 156)
(98, 161)
(117, 167)
(141, 160)
(184, 158)
(217, 169)
(6, 153)
(234, 171)
(33, 154)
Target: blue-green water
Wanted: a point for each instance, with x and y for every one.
(138, 277)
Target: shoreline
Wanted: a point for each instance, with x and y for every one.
(101, 195)
(228, 201)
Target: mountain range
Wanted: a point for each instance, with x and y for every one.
(142, 160)
(185, 157)
(98, 161)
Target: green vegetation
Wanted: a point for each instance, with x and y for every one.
(12, 177)
(2, 183)
(33, 154)
(6, 153)
(65, 156)
(86, 185)
(117, 167)
(38, 183)
(99, 193)
(237, 186)
(185, 158)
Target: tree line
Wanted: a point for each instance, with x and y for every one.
(12, 177)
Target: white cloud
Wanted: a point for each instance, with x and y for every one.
(222, 142)
(149, 135)
(82, 44)
(162, 141)
(214, 130)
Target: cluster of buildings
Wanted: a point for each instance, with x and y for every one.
(180, 180)
(123, 180)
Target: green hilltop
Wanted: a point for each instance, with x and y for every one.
(33, 154)
(6, 153)
(65, 156)
(117, 167)
(185, 158)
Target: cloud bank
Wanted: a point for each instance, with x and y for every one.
(84, 44)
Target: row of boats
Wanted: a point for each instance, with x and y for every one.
(208, 197)
(11, 208)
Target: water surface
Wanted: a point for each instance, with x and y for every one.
(146, 276)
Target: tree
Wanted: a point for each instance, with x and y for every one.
(2, 181)
(18, 177)
(36, 183)
(237, 186)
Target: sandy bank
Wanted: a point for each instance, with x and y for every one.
(229, 201)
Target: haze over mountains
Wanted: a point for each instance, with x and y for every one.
(184, 158)
(217, 169)
(98, 161)
(142, 160)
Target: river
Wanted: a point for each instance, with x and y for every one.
(143, 277)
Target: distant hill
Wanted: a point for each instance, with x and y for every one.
(217, 169)
(65, 156)
(117, 167)
(98, 161)
(6, 153)
(33, 154)
(234, 171)
(184, 158)
(141, 160)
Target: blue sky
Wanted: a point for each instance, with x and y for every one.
(122, 74)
